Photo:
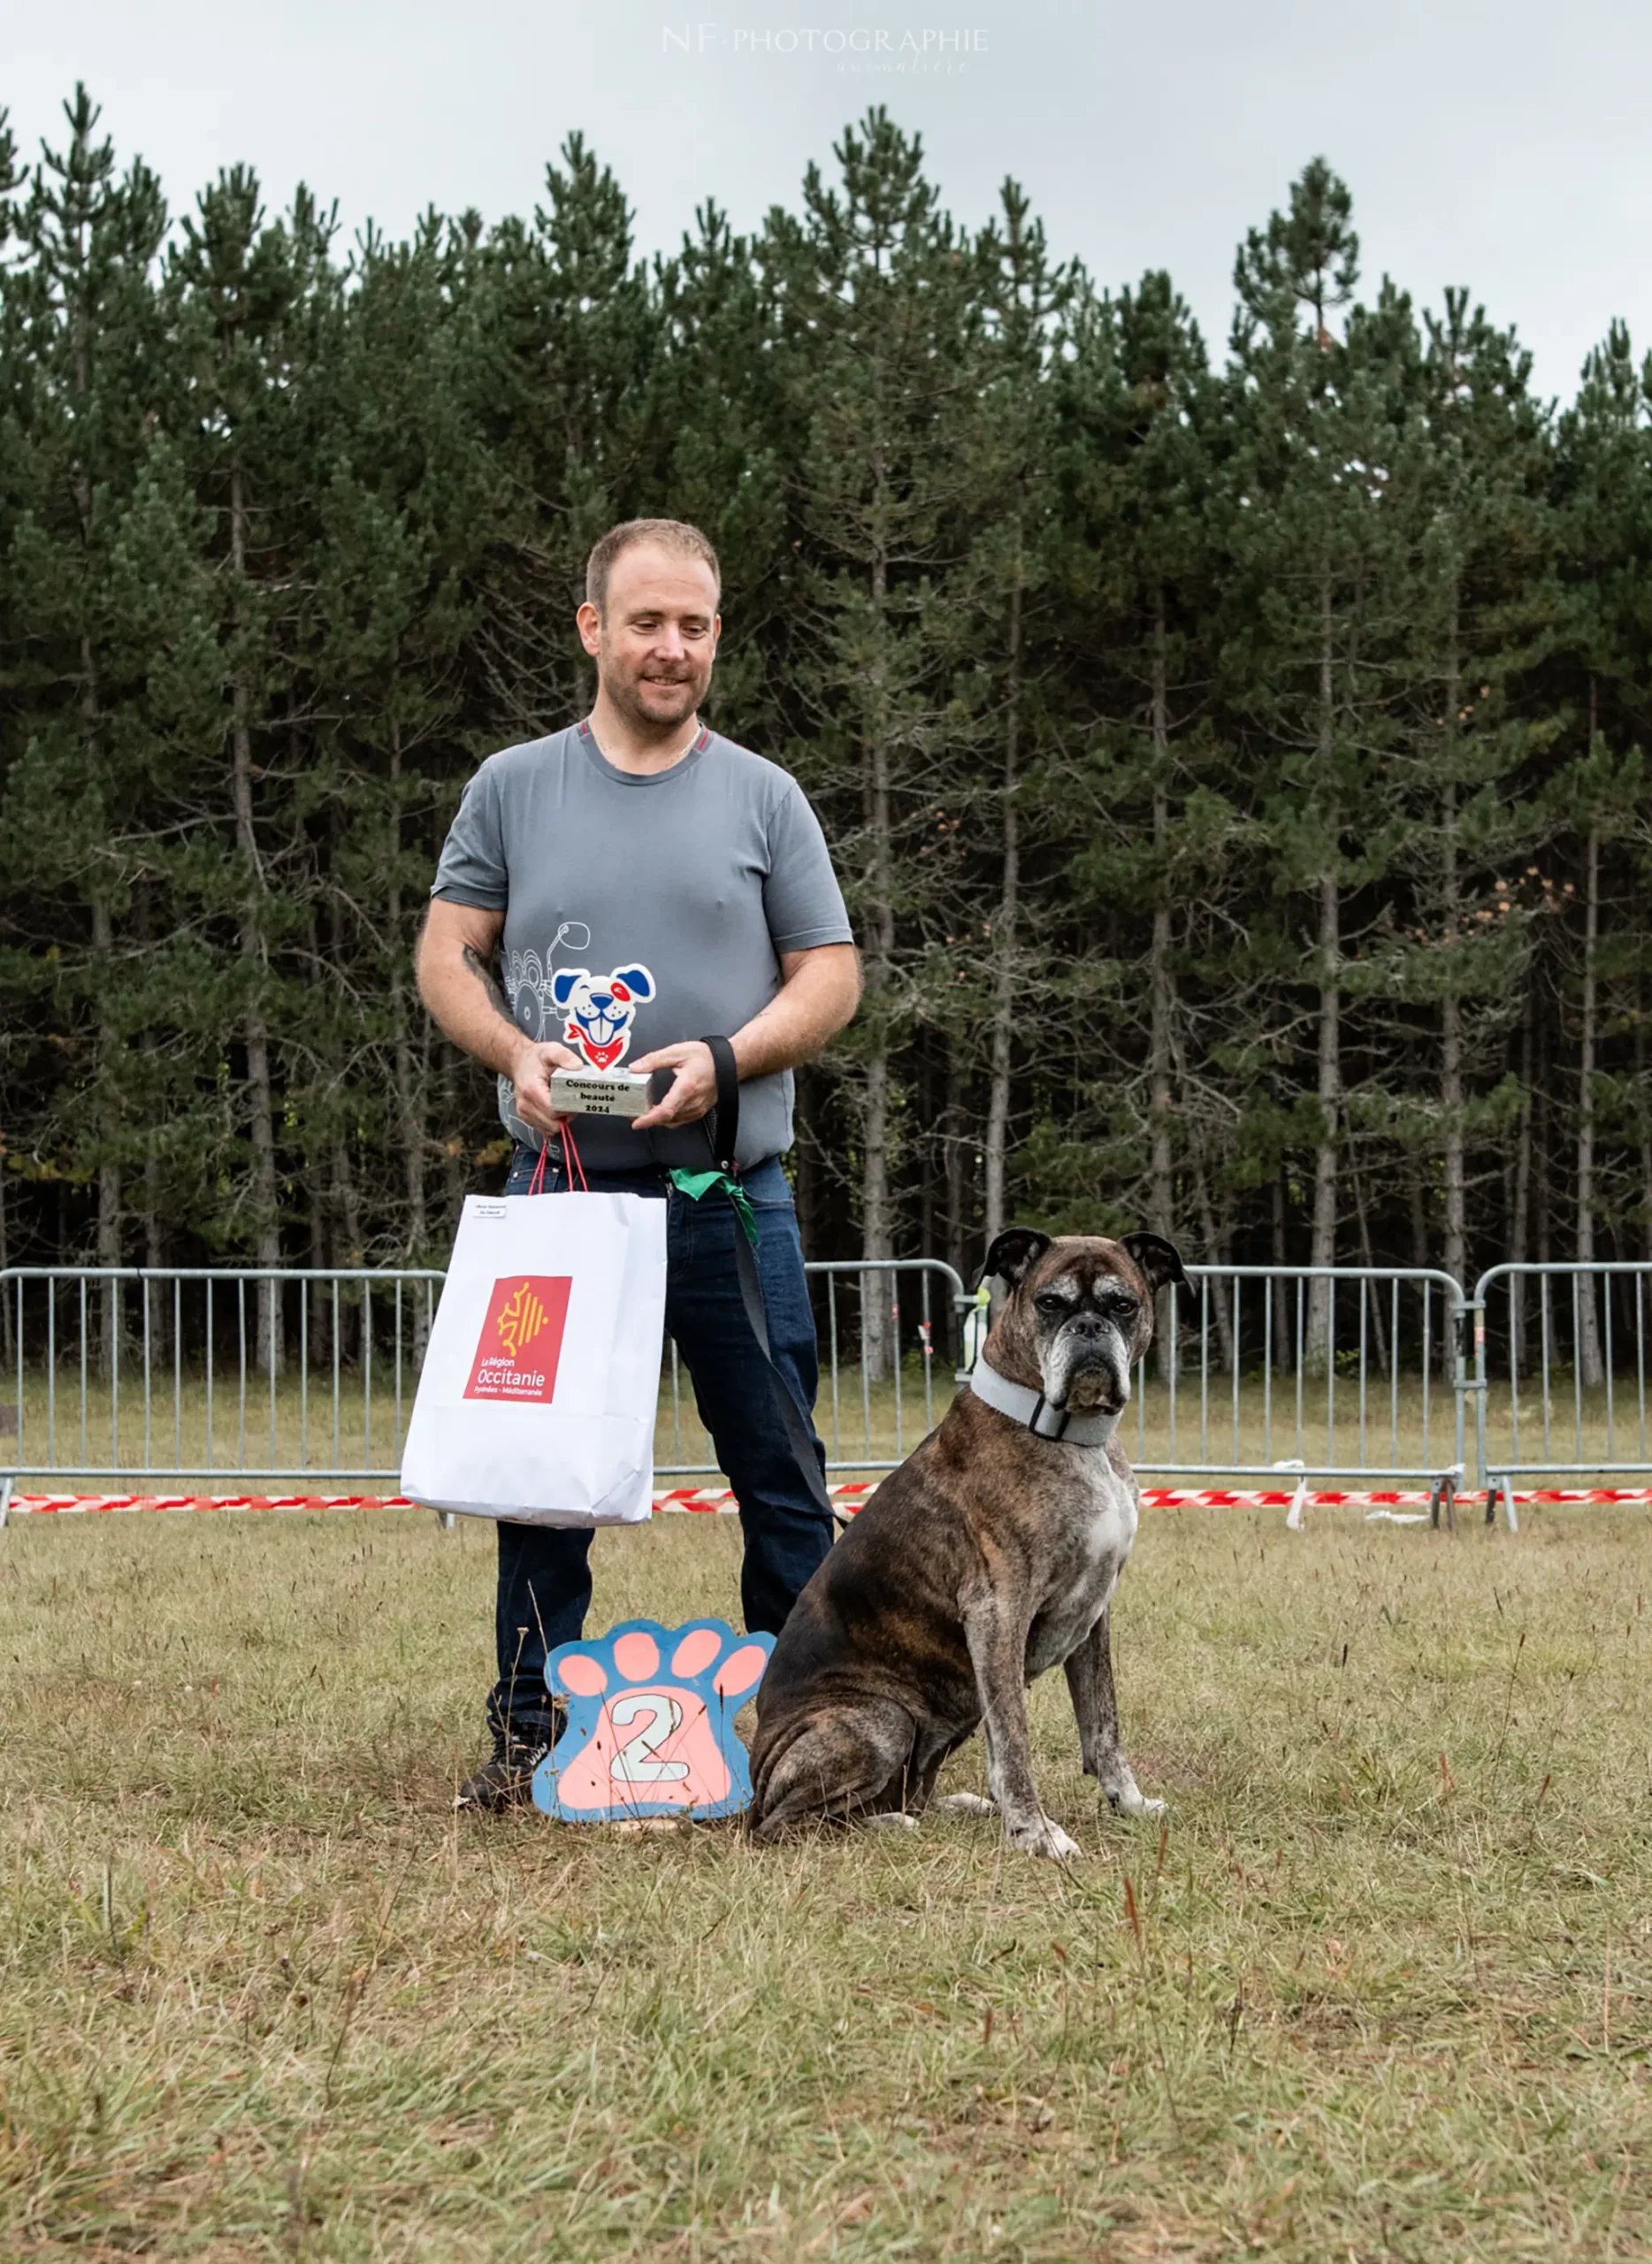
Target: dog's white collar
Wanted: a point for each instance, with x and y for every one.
(1033, 1410)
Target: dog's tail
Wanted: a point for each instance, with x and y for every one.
(833, 1763)
(767, 1753)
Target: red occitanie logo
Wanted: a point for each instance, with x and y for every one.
(522, 1338)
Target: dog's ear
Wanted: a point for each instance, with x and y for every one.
(565, 982)
(1159, 1259)
(1013, 1252)
(636, 981)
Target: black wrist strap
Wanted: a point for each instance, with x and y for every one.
(723, 1127)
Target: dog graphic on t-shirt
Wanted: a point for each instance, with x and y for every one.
(600, 1011)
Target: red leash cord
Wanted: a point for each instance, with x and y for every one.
(571, 1156)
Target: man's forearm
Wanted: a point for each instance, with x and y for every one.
(462, 992)
(818, 994)
(811, 1006)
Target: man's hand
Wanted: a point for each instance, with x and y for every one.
(694, 1090)
(818, 991)
(530, 1075)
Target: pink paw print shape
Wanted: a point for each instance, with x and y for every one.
(650, 1729)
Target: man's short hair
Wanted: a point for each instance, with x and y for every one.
(669, 534)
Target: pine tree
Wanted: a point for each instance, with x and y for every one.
(11, 473)
(719, 430)
(1605, 492)
(1319, 553)
(397, 549)
(248, 296)
(881, 337)
(1145, 416)
(81, 317)
(1002, 593)
(1464, 766)
(565, 331)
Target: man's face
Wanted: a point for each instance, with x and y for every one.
(656, 636)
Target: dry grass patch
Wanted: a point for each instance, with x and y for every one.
(1383, 1989)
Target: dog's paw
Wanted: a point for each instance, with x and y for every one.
(1129, 1800)
(967, 1804)
(1042, 1837)
(891, 1819)
(650, 1729)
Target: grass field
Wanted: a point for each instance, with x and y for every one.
(1382, 1988)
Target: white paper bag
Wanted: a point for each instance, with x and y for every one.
(537, 1399)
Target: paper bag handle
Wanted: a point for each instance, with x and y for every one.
(571, 1156)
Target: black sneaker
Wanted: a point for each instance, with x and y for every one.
(506, 1779)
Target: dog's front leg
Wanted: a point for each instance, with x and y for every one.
(1095, 1703)
(998, 1650)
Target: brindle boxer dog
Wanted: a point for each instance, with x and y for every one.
(989, 1556)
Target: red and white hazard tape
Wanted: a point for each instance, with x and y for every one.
(718, 1501)
(75, 1504)
(714, 1499)
(697, 1499)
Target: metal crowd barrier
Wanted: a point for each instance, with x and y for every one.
(1335, 1372)
(117, 1377)
(131, 1376)
(138, 1375)
(877, 1393)
(1560, 1374)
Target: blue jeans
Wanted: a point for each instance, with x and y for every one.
(544, 1575)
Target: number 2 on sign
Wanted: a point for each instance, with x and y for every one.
(635, 1763)
(649, 1730)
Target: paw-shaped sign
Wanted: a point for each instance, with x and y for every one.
(651, 1723)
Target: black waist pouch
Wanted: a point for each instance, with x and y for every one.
(691, 1147)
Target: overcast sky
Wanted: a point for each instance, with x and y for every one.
(1505, 147)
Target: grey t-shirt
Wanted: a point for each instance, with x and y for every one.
(639, 911)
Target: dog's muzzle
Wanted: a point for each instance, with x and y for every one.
(1088, 1346)
(1044, 1418)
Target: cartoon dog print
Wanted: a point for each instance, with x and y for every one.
(600, 1010)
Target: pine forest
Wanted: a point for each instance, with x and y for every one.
(1233, 753)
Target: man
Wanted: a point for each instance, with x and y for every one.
(646, 883)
